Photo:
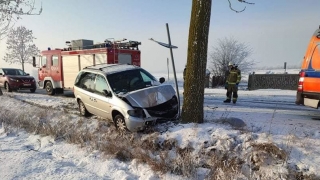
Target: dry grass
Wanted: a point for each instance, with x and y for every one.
(162, 155)
(270, 149)
(224, 167)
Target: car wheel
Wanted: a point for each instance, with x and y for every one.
(33, 90)
(7, 87)
(120, 124)
(49, 88)
(82, 109)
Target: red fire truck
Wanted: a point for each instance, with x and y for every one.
(58, 68)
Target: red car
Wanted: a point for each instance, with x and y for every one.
(14, 79)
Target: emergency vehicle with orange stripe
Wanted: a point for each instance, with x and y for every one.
(308, 93)
(58, 68)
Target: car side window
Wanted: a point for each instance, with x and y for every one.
(1, 71)
(78, 78)
(20, 72)
(316, 55)
(86, 81)
(145, 77)
(101, 84)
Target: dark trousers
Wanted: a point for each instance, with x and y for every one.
(232, 90)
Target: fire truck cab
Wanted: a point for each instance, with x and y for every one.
(58, 68)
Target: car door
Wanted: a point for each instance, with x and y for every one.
(102, 100)
(42, 73)
(55, 68)
(85, 90)
(312, 78)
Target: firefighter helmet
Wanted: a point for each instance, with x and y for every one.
(230, 64)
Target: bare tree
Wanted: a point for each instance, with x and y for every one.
(12, 10)
(229, 50)
(20, 46)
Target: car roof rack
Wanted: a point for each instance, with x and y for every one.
(102, 66)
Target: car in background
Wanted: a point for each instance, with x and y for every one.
(308, 92)
(12, 79)
(126, 94)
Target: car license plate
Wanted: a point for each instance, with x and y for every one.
(27, 84)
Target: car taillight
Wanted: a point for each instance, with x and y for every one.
(301, 80)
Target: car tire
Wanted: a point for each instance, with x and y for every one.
(49, 88)
(32, 90)
(120, 124)
(82, 109)
(7, 87)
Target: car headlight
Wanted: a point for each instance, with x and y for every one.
(14, 80)
(136, 113)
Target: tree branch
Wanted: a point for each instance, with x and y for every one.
(12, 10)
(241, 1)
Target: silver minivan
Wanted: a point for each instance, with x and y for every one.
(126, 94)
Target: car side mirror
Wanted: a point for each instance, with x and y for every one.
(107, 93)
(162, 80)
(34, 61)
(1, 74)
(27, 74)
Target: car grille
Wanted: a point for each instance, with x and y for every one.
(168, 109)
(26, 80)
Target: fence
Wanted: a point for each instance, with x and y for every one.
(273, 81)
(217, 81)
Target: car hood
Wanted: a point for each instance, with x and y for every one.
(151, 96)
(19, 77)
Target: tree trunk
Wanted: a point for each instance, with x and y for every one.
(192, 109)
(22, 63)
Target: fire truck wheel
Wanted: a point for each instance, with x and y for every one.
(49, 88)
(82, 109)
(7, 87)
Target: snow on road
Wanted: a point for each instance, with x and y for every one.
(269, 114)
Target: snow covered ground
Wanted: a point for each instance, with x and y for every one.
(270, 116)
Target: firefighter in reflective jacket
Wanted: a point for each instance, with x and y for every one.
(232, 82)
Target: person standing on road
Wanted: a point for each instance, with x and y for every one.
(232, 82)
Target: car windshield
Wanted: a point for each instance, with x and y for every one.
(16, 72)
(131, 80)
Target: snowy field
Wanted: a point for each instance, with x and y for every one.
(270, 117)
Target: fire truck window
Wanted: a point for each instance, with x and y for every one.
(101, 84)
(55, 61)
(43, 61)
(86, 81)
